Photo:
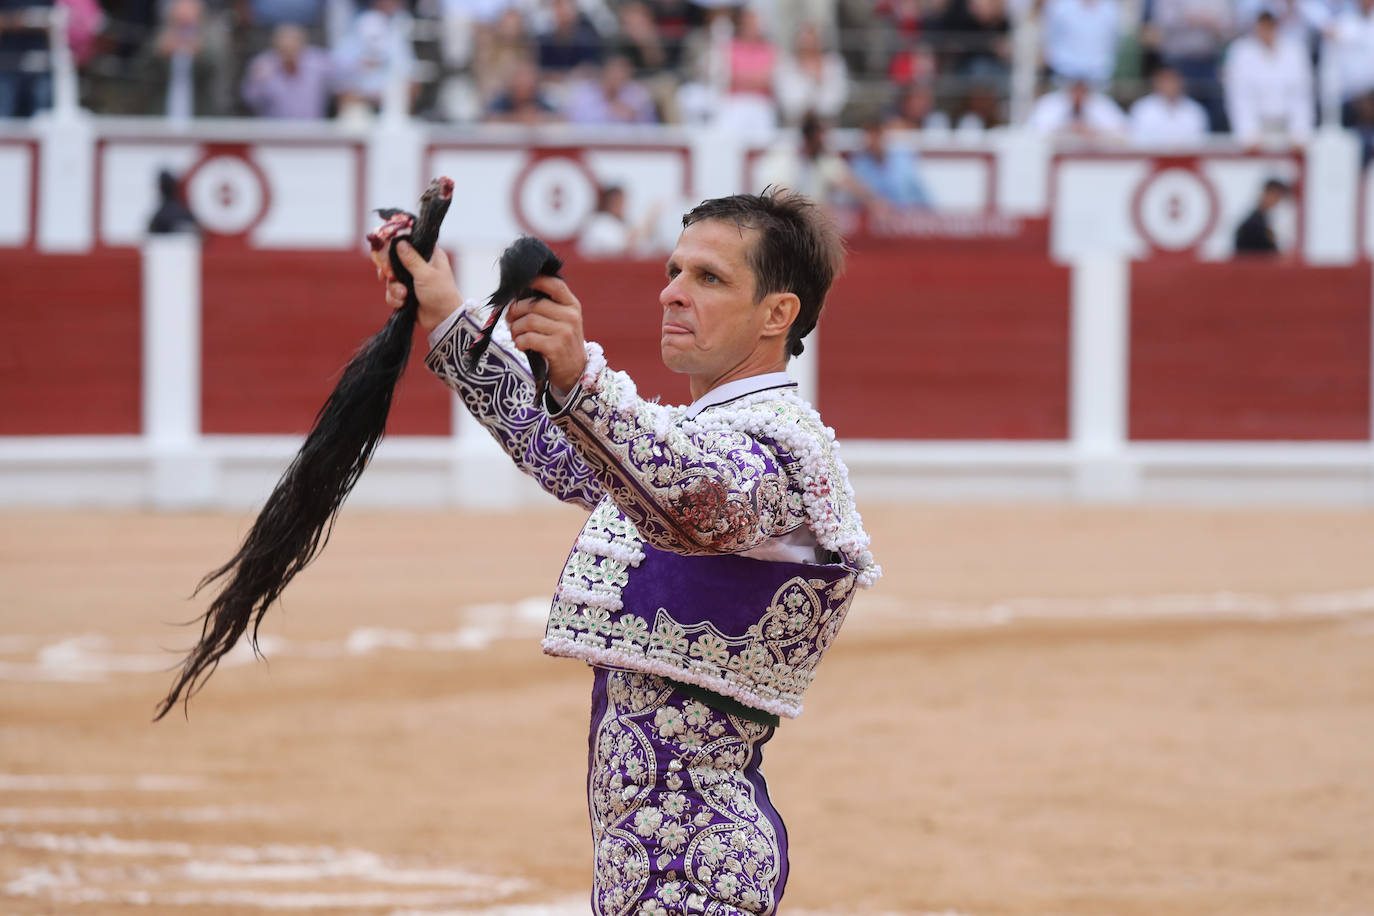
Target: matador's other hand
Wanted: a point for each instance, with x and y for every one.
(551, 327)
(434, 286)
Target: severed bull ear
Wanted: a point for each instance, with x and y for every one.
(526, 259)
(295, 523)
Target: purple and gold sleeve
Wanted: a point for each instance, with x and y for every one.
(689, 487)
(499, 393)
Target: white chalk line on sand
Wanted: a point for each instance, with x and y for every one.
(91, 657)
(579, 907)
(1203, 606)
(428, 891)
(227, 868)
(206, 814)
(69, 782)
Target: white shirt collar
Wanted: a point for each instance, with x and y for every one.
(737, 389)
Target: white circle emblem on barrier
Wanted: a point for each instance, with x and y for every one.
(225, 194)
(1175, 209)
(555, 197)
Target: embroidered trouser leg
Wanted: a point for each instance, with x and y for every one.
(681, 819)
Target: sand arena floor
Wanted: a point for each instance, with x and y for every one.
(1038, 711)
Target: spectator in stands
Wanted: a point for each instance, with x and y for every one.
(914, 109)
(914, 62)
(375, 51)
(523, 100)
(655, 60)
(789, 19)
(172, 215)
(506, 45)
(817, 171)
(748, 109)
(1298, 19)
(982, 107)
(1351, 37)
(25, 74)
(674, 19)
(1192, 34)
(1080, 39)
(304, 13)
(609, 234)
(980, 35)
(906, 16)
(641, 41)
(85, 20)
(886, 38)
(716, 89)
(289, 79)
(1362, 122)
(1254, 236)
(888, 171)
(465, 25)
(181, 65)
(1268, 81)
(572, 43)
(810, 78)
(1166, 116)
(610, 97)
(1078, 111)
(132, 22)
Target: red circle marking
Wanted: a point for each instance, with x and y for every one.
(243, 153)
(1159, 167)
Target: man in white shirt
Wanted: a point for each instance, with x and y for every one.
(1192, 36)
(1167, 117)
(1351, 36)
(1268, 81)
(1080, 39)
(1078, 111)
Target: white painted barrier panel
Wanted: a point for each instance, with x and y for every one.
(1083, 223)
(958, 184)
(314, 197)
(16, 165)
(181, 473)
(505, 191)
(1368, 209)
(1329, 207)
(1137, 204)
(65, 183)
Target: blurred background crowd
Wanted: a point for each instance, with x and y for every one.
(1152, 71)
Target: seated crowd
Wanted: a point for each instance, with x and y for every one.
(1210, 66)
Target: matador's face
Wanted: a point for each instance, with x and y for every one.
(712, 322)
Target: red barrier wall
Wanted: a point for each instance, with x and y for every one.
(277, 329)
(923, 343)
(70, 343)
(919, 342)
(1249, 350)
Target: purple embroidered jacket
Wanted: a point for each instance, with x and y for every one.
(655, 582)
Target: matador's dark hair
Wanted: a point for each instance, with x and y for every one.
(799, 250)
(296, 521)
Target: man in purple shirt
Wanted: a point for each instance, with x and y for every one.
(289, 79)
(613, 98)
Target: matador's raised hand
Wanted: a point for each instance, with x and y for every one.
(435, 288)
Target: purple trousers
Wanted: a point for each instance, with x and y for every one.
(681, 819)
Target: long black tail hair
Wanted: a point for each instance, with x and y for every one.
(525, 259)
(298, 517)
